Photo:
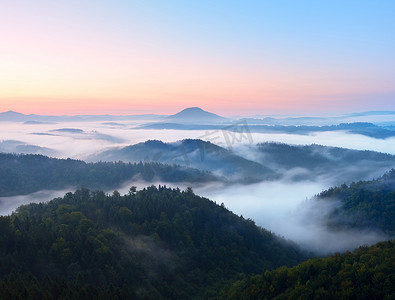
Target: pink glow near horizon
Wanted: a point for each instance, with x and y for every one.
(225, 107)
(232, 59)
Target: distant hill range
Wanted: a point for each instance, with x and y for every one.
(188, 115)
(32, 119)
(377, 124)
(249, 164)
(361, 128)
(265, 161)
(193, 153)
(13, 146)
(310, 161)
(25, 174)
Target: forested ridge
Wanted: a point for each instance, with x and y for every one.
(157, 243)
(367, 273)
(163, 243)
(194, 153)
(24, 174)
(364, 204)
(317, 156)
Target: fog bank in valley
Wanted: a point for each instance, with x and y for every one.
(93, 137)
(10, 204)
(288, 209)
(282, 206)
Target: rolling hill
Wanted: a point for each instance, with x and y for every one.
(25, 174)
(367, 273)
(363, 204)
(254, 163)
(310, 161)
(157, 243)
(192, 153)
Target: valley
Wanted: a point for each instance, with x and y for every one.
(311, 199)
(202, 150)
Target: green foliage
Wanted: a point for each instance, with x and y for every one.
(24, 174)
(195, 153)
(322, 159)
(158, 243)
(364, 204)
(367, 273)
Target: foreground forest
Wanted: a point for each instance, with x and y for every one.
(162, 243)
(364, 204)
(157, 243)
(366, 273)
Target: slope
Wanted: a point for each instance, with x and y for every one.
(343, 165)
(367, 273)
(192, 153)
(24, 174)
(363, 204)
(158, 243)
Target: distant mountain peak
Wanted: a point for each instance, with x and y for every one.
(195, 108)
(195, 114)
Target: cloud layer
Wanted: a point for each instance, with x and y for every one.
(281, 206)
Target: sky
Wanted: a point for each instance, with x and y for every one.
(228, 57)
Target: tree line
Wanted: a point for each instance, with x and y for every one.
(157, 243)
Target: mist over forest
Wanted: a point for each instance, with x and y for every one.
(221, 150)
(269, 177)
(193, 202)
(322, 191)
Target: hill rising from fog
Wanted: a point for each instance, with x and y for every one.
(366, 273)
(310, 161)
(364, 204)
(24, 174)
(260, 126)
(155, 243)
(192, 153)
(254, 163)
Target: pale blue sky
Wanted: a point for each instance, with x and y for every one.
(230, 56)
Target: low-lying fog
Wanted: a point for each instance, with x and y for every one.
(287, 209)
(282, 207)
(10, 204)
(96, 136)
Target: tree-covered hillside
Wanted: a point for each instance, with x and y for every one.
(364, 204)
(344, 165)
(193, 153)
(158, 243)
(367, 273)
(24, 174)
